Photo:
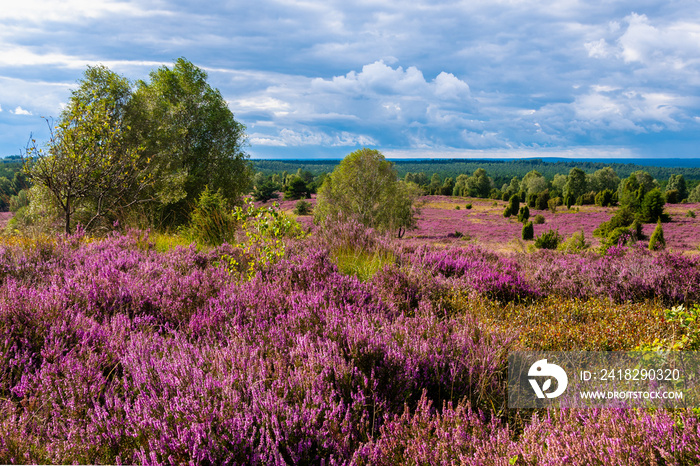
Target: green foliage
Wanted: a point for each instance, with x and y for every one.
(265, 229)
(538, 219)
(302, 207)
(210, 221)
(542, 200)
(690, 214)
(652, 207)
(677, 183)
(604, 198)
(265, 190)
(552, 204)
(569, 201)
(513, 206)
(657, 240)
(632, 190)
(548, 240)
(687, 336)
(297, 189)
(20, 200)
(191, 137)
(468, 206)
(523, 214)
(575, 183)
(694, 195)
(528, 231)
(479, 184)
(364, 186)
(362, 263)
(457, 207)
(672, 196)
(533, 183)
(90, 163)
(575, 243)
(623, 217)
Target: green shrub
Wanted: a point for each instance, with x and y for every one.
(624, 217)
(531, 200)
(302, 207)
(576, 243)
(672, 196)
(652, 208)
(657, 240)
(457, 207)
(528, 231)
(548, 240)
(538, 219)
(604, 198)
(690, 214)
(524, 214)
(210, 221)
(512, 207)
(469, 206)
(552, 205)
(542, 200)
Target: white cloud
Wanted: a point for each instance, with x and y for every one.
(20, 111)
(70, 11)
(291, 138)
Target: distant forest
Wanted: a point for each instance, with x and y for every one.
(501, 171)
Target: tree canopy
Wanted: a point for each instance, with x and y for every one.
(158, 143)
(366, 186)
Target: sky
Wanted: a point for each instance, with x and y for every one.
(320, 79)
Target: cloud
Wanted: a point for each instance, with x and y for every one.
(20, 111)
(291, 138)
(70, 11)
(424, 75)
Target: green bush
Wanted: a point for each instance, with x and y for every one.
(538, 219)
(524, 214)
(604, 198)
(512, 207)
(548, 240)
(457, 207)
(302, 208)
(672, 196)
(576, 243)
(469, 206)
(652, 208)
(210, 221)
(624, 217)
(528, 231)
(542, 200)
(657, 240)
(690, 214)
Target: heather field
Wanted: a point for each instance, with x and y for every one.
(341, 348)
(484, 224)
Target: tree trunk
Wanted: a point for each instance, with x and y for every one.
(67, 211)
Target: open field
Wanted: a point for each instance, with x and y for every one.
(119, 351)
(484, 224)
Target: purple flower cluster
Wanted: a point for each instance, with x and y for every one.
(115, 353)
(615, 437)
